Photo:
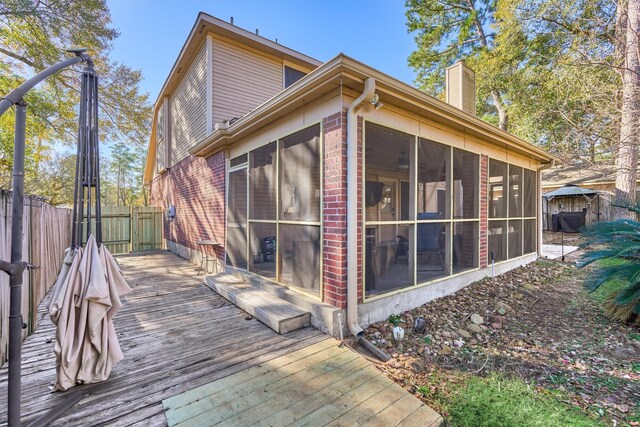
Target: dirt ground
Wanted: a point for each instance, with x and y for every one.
(556, 238)
(535, 323)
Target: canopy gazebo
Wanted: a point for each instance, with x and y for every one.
(569, 208)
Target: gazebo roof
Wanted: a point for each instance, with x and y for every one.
(568, 191)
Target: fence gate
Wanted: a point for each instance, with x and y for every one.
(131, 229)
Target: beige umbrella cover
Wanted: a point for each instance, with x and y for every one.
(84, 302)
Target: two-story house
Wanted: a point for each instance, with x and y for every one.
(346, 186)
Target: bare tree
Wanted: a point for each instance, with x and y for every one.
(627, 153)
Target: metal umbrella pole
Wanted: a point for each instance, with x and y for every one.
(16, 266)
(87, 183)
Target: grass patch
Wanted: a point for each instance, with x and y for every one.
(498, 402)
(604, 292)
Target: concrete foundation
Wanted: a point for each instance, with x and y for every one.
(409, 298)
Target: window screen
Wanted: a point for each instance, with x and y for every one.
(497, 189)
(497, 241)
(262, 184)
(465, 184)
(515, 191)
(300, 175)
(434, 172)
(530, 236)
(237, 161)
(515, 238)
(465, 246)
(300, 256)
(291, 75)
(262, 249)
(237, 219)
(529, 193)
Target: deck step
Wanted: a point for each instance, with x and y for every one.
(278, 314)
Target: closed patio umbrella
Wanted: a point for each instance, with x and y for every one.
(87, 293)
(83, 308)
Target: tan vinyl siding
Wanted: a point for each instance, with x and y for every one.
(242, 80)
(461, 88)
(161, 153)
(468, 91)
(188, 110)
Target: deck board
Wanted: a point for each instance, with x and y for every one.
(192, 358)
(319, 385)
(176, 334)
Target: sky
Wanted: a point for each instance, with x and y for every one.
(152, 32)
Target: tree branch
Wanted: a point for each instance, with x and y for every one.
(17, 57)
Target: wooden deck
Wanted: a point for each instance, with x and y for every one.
(183, 343)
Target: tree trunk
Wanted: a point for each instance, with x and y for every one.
(502, 111)
(495, 93)
(627, 153)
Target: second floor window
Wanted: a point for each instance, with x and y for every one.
(291, 75)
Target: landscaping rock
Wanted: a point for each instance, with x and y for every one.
(463, 333)
(502, 308)
(414, 363)
(477, 319)
(458, 343)
(496, 319)
(420, 325)
(474, 329)
(446, 350)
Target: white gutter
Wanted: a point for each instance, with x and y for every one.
(551, 164)
(352, 206)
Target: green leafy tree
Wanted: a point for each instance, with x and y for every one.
(34, 35)
(124, 173)
(450, 30)
(552, 63)
(55, 179)
(613, 248)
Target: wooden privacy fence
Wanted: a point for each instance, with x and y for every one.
(131, 229)
(46, 235)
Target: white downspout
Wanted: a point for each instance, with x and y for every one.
(352, 206)
(539, 190)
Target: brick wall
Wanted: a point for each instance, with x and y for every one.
(484, 208)
(196, 187)
(334, 216)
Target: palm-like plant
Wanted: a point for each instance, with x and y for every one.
(614, 249)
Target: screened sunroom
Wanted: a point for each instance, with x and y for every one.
(274, 211)
(422, 204)
(423, 210)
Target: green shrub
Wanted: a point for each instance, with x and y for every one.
(614, 249)
(497, 402)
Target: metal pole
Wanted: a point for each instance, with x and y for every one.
(86, 78)
(77, 190)
(16, 95)
(97, 154)
(560, 219)
(15, 283)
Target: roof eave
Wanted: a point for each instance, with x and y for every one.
(341, 63)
